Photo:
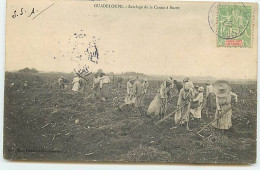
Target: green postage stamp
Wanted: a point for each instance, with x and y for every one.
(234, 25)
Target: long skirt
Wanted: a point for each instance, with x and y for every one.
(225, 121)
(129, 99)
(76, 86)
(196, 113)
(139, 101)
(182, 115)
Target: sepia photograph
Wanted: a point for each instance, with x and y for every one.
(157, 82)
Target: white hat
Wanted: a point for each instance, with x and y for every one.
(221, 88)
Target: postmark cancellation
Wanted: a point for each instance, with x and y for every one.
(233, 24)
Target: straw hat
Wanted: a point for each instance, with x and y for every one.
(221, 88)
(207, 82)
(201, 89)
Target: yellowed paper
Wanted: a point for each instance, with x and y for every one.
(55, 108)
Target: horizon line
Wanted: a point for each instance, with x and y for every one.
(153, 75)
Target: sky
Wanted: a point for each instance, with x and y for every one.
(161, 42)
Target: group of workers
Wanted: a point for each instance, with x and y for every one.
(190, 102)
(135, 91)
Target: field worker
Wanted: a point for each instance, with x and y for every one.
(197, 104)
(129, 99)
(96, 83)
(187, 80)
(82, 84)
(66, 83)
(194, 104)
(104, 86)
(209, 97)
(171, 88)
(222, 90)
(138, 93)
(145, 86)
(172, 83)
(158, 107)
(183, 105)
(164, 95)
(61, 82)
(75, 82)
(129, 91)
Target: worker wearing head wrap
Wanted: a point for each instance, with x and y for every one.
(183, 105)
(104, 86)
(190, 83)
(138, 93)
(145, 86)
(61, 82)
(129, 91)
(129, 98)
(76, 84)
(165, 88)
(196, 104)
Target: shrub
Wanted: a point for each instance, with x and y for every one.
(27, 70)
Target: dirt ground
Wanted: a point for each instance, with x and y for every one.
(42, 122)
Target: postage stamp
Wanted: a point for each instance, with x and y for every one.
(125, 82)
(232, 23)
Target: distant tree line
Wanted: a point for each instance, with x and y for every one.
(27, 70)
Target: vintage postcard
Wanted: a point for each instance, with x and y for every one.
(131, 81)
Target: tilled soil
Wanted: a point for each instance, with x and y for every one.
(42, 122)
